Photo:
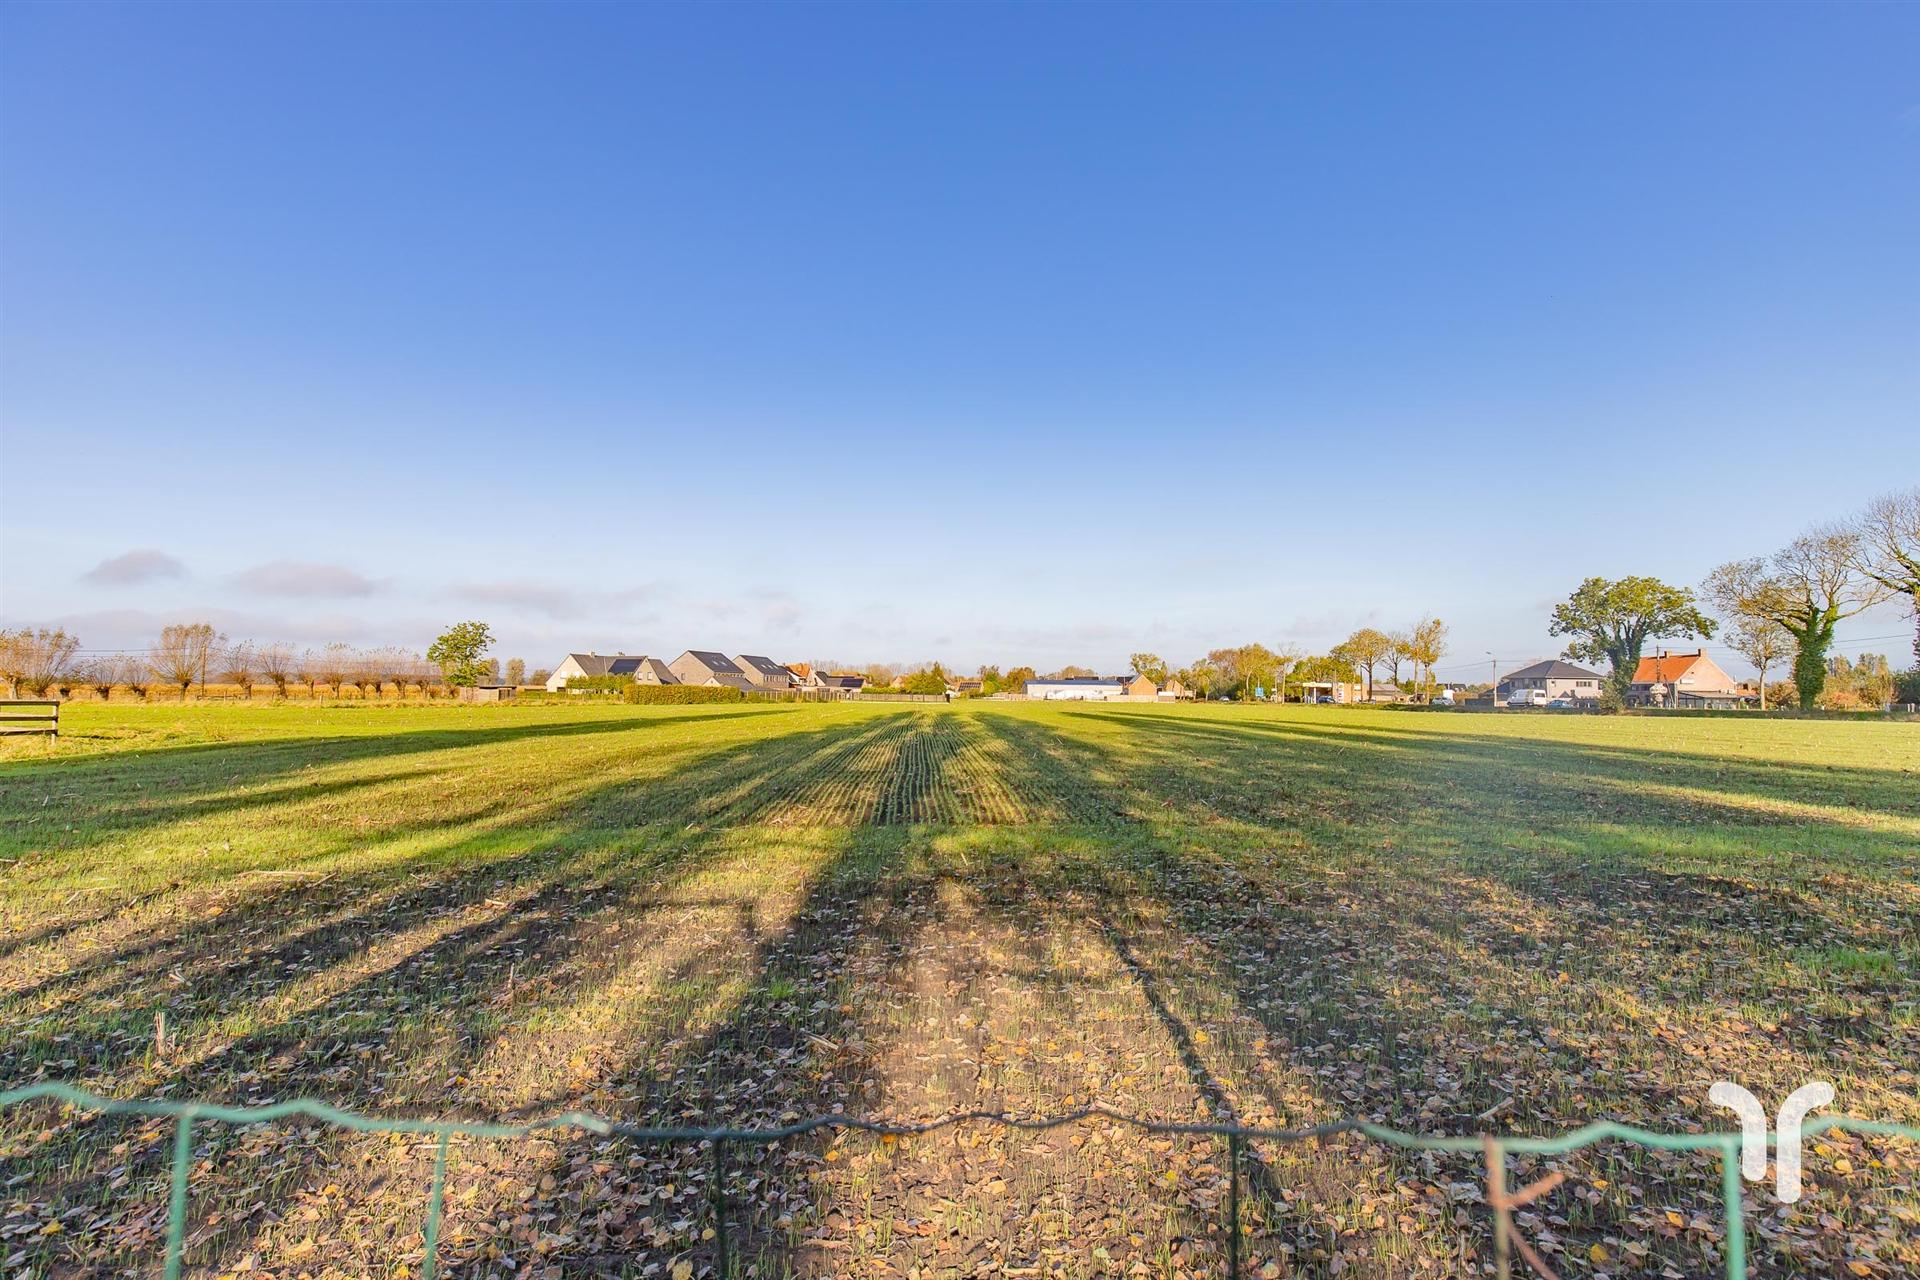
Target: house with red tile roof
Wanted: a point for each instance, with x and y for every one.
(1683, 680)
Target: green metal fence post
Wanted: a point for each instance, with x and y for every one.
(436, 1205)
(1233, 1206)
(1736, 1212)
(723, 1262)
(177, 1197)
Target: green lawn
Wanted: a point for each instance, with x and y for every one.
(1447, 922)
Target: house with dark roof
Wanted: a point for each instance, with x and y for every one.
(642, 670)
(574, 666)
(704, 667)
(848, 684)
(638, 668)
(765, 673)
(1558, 679)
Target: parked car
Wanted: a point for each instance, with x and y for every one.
(1528, 698)
(1563, 703)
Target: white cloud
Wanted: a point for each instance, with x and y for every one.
(295, 578)
(134, 567)
(553, 600)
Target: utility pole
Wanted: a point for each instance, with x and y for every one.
(1495, 692)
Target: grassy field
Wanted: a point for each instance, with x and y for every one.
(1450, 923)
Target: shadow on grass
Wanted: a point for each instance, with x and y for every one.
(179, 784)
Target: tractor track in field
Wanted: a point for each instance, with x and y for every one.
(906, 770)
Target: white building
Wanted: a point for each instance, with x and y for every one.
(1078, 689)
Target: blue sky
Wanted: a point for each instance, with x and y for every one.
(1034, 334)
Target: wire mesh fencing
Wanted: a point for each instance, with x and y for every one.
(1509, 1242)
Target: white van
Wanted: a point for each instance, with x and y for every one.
(1528, 698)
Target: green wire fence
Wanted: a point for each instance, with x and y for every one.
(1507, 1240)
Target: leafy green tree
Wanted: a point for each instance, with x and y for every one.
(1015, 681)
(460, 653)
(1219, 672)
(1330, 668)
(929, 681)
(1197, 677)
(1150, 665)
(1366, 649)
(1426, 645)
(1257, 667)
(1808, 587)
(1612, 621)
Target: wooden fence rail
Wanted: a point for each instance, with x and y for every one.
(30, 715)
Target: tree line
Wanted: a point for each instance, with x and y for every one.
(1769, 608)
(1367, 656)
(35, 662)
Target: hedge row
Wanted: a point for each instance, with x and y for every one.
(683, 694)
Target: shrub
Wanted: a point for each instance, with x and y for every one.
(677, 694)
(1610, 703)
(600, 684)
(924, 682)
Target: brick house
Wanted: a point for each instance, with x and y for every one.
(1684, 680)
(707, 668)
(764, 672)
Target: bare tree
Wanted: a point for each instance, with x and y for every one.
(45, 659)
(307, 673)
(365, 671)
(133, 670)
(183, 653)
(237, 665)
(100, 675)
(1890, 549)
(392, 666)
(333, 665)
(1762, 642)
(13, 658)
(1807, 588)
(276, 662)
(516, 671)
